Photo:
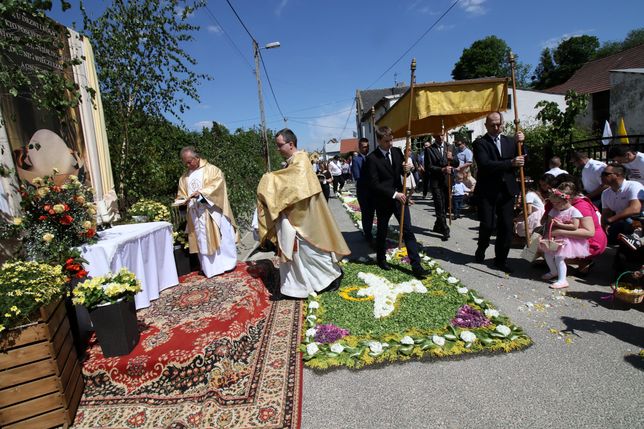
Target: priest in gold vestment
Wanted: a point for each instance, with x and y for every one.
(293, 215)
(212, 232)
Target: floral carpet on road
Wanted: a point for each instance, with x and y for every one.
(382, 316)
(213, 353)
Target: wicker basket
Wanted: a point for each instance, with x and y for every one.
(631, 298)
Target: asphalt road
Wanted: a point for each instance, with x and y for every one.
(583, 370)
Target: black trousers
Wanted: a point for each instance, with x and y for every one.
(496, 211)
(338, 183)
(384, 212)
(440, 195)
(326, 190)
(425, 184)
(367, 210)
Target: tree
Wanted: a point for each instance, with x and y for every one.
(143, 70)
(571, 54)
(543, 73)
(633, 38)
(488, 57)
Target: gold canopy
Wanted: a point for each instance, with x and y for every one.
(451, 104)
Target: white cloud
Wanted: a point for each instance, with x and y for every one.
(555, 41)
(198, 126)
(214, 29)
(444, 27)
(421, 6)
(475, 7)
(280, 7)
(328, 127)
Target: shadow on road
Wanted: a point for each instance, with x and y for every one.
(623, 331)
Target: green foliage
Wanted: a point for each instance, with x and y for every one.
(154, 210)
(557, 66)
(488, 57)
(633, 38)
(109, 288)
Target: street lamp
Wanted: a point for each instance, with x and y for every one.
(333, 140)
(262, 116)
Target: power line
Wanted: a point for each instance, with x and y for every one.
(231, 41)
(270, 85)
(240, 20)
(415, 43)
(317, 125)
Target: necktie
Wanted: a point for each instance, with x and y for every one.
(388, 157)
(497, 143)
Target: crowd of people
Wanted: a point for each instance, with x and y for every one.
(575, 217)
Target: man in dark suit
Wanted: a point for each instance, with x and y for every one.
(385, 169)
(439, 161)
(497, 160)
(359, 171)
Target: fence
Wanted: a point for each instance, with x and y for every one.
(596, 149)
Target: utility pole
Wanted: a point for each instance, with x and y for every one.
(262, 116)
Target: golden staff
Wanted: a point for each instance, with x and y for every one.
(519, 150)
(407, 150)
(373, 124)
(449, 176)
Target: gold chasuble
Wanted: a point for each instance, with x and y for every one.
(214, 190)
(295, 192)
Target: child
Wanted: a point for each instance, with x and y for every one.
(458, 194)
(563, 216)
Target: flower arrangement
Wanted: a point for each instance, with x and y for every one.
(154, 210)
(25, 287)
(55, 218)
(106, 289)
(468, 317)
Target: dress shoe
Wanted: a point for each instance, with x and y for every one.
(420, 273)
(335, 284)
(502, 266)
(479, 256)
(445, 236)
(384, 265)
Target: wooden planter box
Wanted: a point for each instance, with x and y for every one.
(41, 381)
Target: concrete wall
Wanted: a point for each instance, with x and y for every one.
(627, 100)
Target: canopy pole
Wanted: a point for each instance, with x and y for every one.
(519, 149)
(449, 175)
(407, 150)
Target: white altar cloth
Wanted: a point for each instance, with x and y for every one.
(146, 249)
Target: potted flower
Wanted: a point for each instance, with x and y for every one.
(110, 302)
(149, 210)
(55, 218)
(39, 364)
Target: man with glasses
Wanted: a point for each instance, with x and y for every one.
(621, 202)
(358, 171)
(497, 160)
(294, 216)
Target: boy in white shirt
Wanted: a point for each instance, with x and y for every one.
(459, 190)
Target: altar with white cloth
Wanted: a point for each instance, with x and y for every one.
(146, 249)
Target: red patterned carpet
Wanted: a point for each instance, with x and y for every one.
(213, 353)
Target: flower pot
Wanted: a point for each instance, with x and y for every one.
(41, 381)
(182, 260)
(80, 325)
(116, 328)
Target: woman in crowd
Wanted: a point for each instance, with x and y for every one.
(324, 176)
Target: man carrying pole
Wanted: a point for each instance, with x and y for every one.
(439, 170)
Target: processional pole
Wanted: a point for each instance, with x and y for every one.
(449, 176)
(407, 150)
(519, 150)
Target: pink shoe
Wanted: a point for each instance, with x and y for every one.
(559, 285)
(548, 276)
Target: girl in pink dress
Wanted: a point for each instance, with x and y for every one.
(566, 217)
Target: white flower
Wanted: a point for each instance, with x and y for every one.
(491, 313)
(311, 332)
(462, 290)
(337, 348)
(385, 293)
(407, 340)
(478, 300)
(431, 263)
(426, 258)
(452, 280)
(313, 294)
(375, 347)
(438, 340)
(312, 348)
(311, 317)
(314, 304)
(468, 336)
(439, 271)
(503, 330)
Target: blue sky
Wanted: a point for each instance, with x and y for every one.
(331, 48)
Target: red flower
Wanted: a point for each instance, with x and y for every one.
(66, 220)
(66, 207)
(51, 212)
(43, 217)
(47, 207)
(69, 261)
(90, 233)
(55, 188)
(81, 274)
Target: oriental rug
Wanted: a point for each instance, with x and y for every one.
(213, 353)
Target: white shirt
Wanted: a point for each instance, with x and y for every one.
(334, 169)
(459, 189)
(533, 198)
(636, 168)
(591, 175)
(556, 171)
(618, 201)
